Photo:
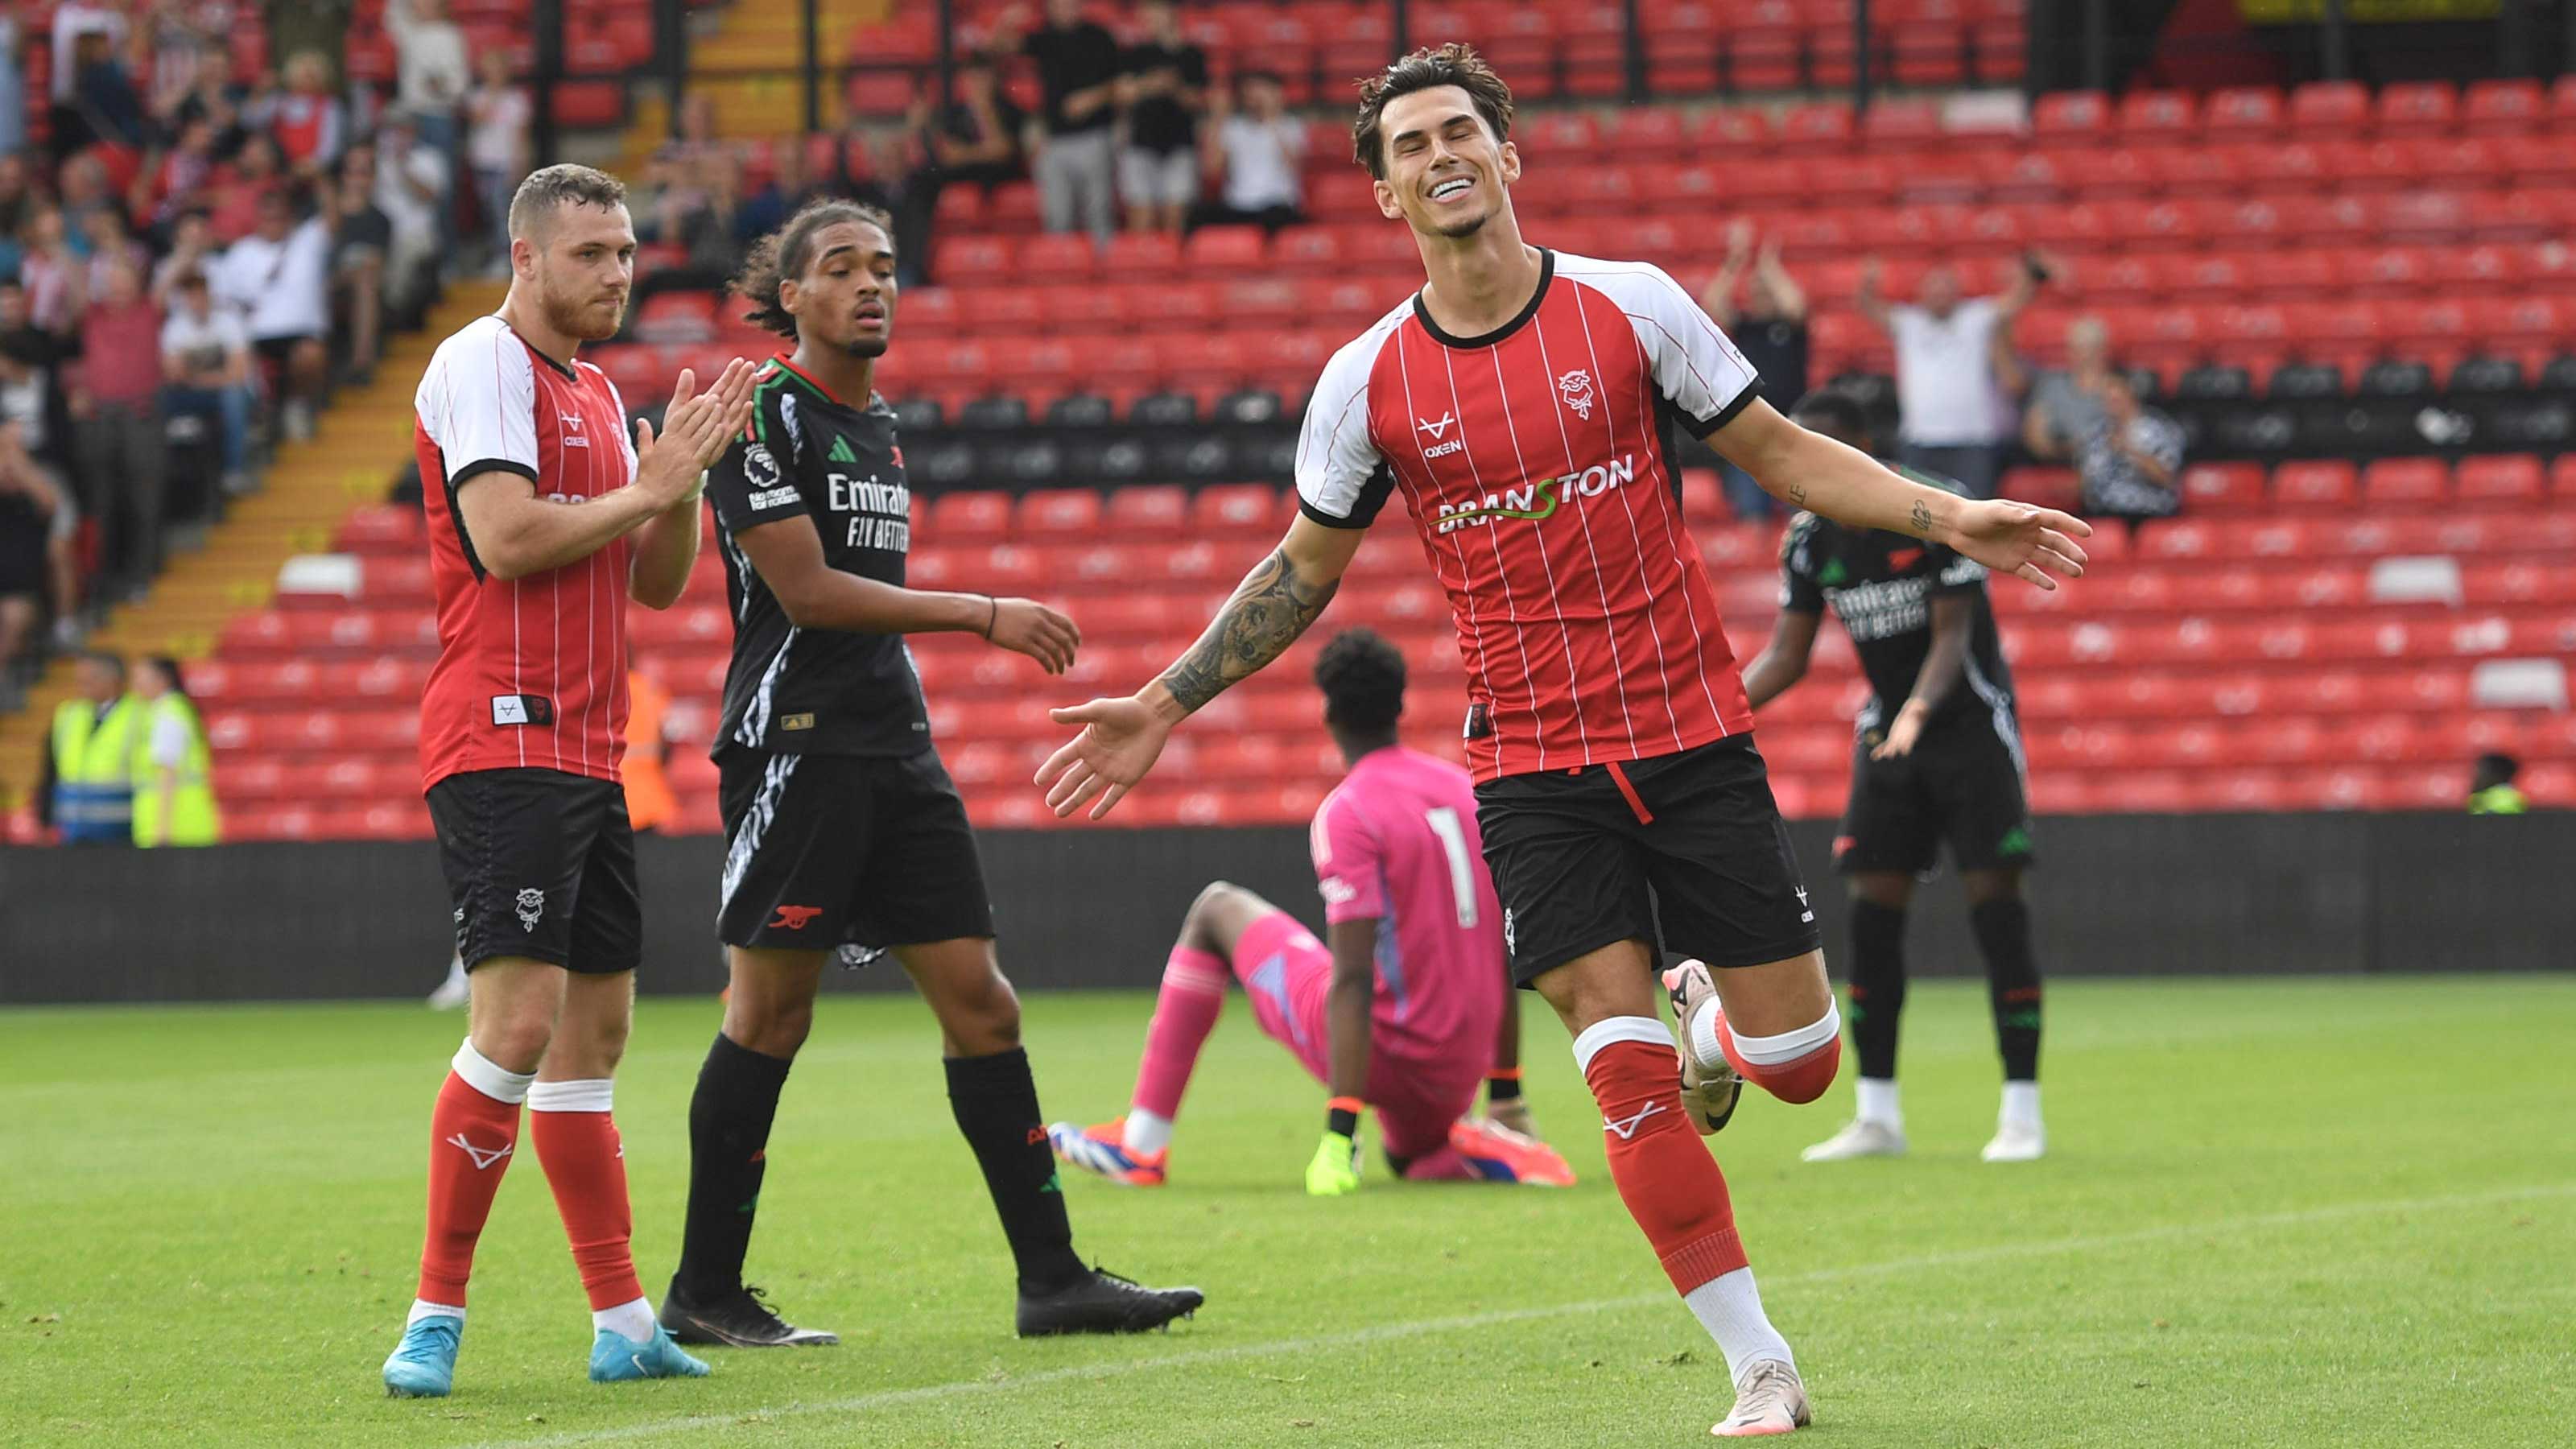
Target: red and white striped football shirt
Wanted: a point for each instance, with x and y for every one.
(531, 671)
(1534, 464)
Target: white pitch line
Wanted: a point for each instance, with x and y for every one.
(1416, 1328)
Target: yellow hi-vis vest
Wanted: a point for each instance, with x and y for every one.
(93, 769)
(184, 814)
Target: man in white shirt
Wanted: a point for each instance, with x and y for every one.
(1257, 151)
(278, 278)
(1953, 418)
(206, 371)
(411, 190)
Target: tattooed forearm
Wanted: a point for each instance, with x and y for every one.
(1268, 611)
(1798, 494)
(1921, 520)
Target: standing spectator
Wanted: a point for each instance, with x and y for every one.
(175, 179)
(1258, 151)
(976, 142)
(174, 791)
(1770, 330)
(361, 239)
(81, 193)
(18, 199)
(36, 526)
(13, 104)
(411, 190)
(192, 249)
(52, 272)
(233, 198)
(1953, 417)
(496, 146)
(279, 276)
(786, 188)
(1164, 90)
(28, 356)
(1077, 159)
(112, 246)
(2130, 459)
(114, 397)
(74, 21)
(308, 123)
(431, 72)
(206, 373)
(2491, 787)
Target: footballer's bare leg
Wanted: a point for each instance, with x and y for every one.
(995, 1100)
(1670, 1184)
(769, 1009)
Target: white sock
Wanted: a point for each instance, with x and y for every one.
(1146, 1132)
(1730, 1308)
(633, 1321)
(422, 1308)
(455, 970)
(2021, 1105)
(1878, 1103)
(1762, 1051)
(490, 1078)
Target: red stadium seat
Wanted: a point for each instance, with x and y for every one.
(2223, 487)
(2314, 485)
(1815, 128)
(2510, 477)
(2070, 118)
(2159, 115)
(1138, 256)
(1053, 514)
(2330, 108)
(1156, 511)
(2417, 108)
(2405, 482)
(2503, 107)
(2242, 113)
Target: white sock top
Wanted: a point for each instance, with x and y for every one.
(1730, 1308)
(1146, 1131)
(488, 1077)
(1878, 1103)
(589, 1094)
(1589, 1042)
(1763, 1051)
(2021, 1105)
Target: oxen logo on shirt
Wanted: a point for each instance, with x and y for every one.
(1576, 388)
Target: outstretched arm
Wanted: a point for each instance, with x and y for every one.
(1842, 483)
(1121, 738)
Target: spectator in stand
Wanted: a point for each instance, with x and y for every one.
(29, 355)
(192, 249)
(977, 142)
(112, 246)
(1953, 418)
(114, 395)
(233, 198)
(206, 372)
(786, 188)
(1163, 92)
(361, 239)
(196, 90)
(174, 791)
(176, 179)
(52, 272)
(431, 75)
(279, 276)
(37, 524)
(189, 53)
(73, 21)
(18, 200)
(81, 192)
(1258, 151)
(1770, 330)
(2130, 460)
(412, 182)
(13, 107)
(2063, 407)
(309, 124)
(1076, 162)
(498, 112)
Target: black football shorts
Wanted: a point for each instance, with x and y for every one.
(1685, 850)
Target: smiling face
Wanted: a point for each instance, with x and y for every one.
(843, 297)
(1446, 172)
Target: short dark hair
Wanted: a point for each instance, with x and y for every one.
(783, 255)
(2501, 766)
(558, 186)
(1455, 64)
(1362, 677)
(1838, 410)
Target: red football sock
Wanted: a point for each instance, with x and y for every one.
(471, 1136)
(1671, 1185)
(1801, 1078)
(586, 1166)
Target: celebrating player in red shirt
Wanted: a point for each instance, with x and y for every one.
(1518, 400)
(543, 521)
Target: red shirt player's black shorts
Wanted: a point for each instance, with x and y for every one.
(1686, 851)
(540, 864)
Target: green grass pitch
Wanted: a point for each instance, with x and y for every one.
(2329, 1213)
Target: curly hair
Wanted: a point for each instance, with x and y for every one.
(1362, 677)
(1455, 64)
(784, 254)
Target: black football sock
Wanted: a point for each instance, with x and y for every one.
(996, 1102)
(729, 1118)
(2012, 984)
(1877, 985)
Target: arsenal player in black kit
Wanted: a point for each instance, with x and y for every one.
(1939, 757)
(844, 831)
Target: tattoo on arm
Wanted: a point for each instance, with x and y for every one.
(1268, 611)
(1922, 520)
(1798, 494)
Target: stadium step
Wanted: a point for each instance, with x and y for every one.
(359, 443)
(751, 66)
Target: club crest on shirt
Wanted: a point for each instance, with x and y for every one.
(1576, 388)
